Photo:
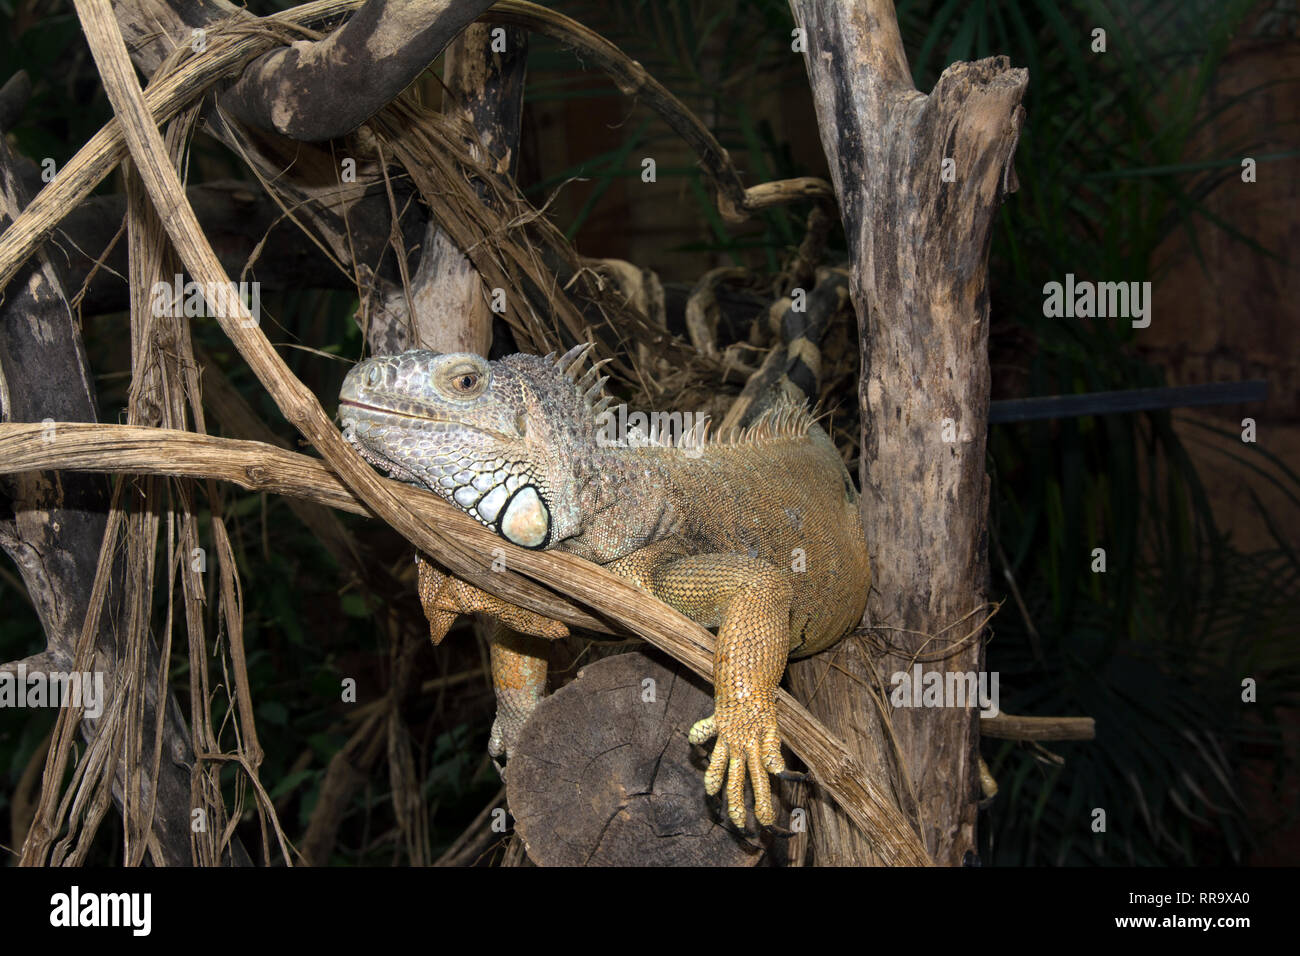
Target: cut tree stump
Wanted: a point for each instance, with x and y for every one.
(603, 775)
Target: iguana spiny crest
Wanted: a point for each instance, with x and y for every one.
(524, 444)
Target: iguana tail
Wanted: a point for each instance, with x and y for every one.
(792, 371)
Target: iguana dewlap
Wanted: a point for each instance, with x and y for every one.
(756, 533)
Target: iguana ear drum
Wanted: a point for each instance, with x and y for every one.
(525, 521)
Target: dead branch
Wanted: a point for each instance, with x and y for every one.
(1016, 727)
(228, 52)
(313, 91)
(919, 179)
(55, 530)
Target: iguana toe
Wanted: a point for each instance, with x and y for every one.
(763, 810)
(502, 738)
(702, 730)
(737, 754)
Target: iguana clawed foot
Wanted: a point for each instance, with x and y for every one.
(748, 744)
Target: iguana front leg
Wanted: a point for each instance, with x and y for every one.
(518, 662)
(748, 600)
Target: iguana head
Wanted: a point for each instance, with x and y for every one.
(506, 441)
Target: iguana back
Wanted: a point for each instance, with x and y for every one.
(776, 491)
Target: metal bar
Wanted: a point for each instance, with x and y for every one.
(1128, 400)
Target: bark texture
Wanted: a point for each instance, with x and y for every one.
(483, 85)
(919, 179)
(314, 91)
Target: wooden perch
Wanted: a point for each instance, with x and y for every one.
(1015, 727)
(919, 179)
(602, 774)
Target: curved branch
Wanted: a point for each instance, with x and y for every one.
(254, 466)
(316, 90)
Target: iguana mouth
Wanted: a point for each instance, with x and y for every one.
(395, 469)
(387, 411)
(500, 436)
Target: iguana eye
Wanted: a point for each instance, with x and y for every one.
(462, 378)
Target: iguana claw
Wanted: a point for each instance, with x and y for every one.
(748, 744)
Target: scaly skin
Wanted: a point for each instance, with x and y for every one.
(756, 534)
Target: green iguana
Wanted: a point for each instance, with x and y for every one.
(755, 532)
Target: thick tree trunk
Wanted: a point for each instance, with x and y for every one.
(919, 179)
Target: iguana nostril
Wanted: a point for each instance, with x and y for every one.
(374, 376)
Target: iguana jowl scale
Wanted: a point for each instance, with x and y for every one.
(755, 533)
